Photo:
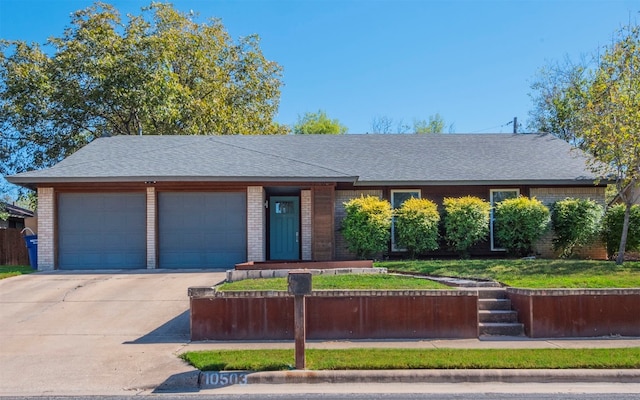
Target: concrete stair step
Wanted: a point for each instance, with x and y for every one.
(498, 316)
(500, 329)
(494, 304)
(492, 293)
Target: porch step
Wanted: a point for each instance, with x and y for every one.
(494, 304)
(492, 293)
(509, 316)
(500, 329)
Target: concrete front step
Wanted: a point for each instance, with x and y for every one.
(500, 329)
(492, 293)
(494, 304)
(498, 316)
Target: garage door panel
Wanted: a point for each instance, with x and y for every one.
(202, 230)
(102, 230)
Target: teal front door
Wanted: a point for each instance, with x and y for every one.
(284, 228)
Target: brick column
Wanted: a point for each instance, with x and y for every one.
(307, 227)
(46, 224)
(255, 223)
(152, 202)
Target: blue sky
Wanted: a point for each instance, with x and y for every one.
(471, 61)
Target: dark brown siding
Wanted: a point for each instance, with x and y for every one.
(323, 229)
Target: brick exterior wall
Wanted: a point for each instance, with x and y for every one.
(342, 196)
(306, 224)
(46, 224)
(548, 196)
(255, 223)
(152, 201)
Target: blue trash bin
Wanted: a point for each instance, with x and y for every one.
(32, 247)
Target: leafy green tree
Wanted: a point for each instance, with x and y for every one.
(466, 222)
(367, 225)
(160, 72)
(576, 222)
(435, 124)
(417, 225)
(557, 100)
(600, 105)
(612, 225)
(519, 223)
(318, 123)
(611, 122)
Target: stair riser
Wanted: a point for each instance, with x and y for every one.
(497, 304)
(492, 294)
(499, 317)
(510, 330)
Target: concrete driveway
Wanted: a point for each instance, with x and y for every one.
(74, 333)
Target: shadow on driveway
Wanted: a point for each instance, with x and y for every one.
(175, 330)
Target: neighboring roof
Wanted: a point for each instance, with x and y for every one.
(15, 211)
(392, 159)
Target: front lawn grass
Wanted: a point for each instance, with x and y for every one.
(7, 271)
(344, 282)
(375, 359)
(586, 274)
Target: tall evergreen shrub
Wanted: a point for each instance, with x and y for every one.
(466, 222)
(576, 222)
(367, 225)
(416, 225)
(519, 223)
(612, 229)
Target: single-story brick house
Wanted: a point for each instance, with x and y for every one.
(213, 201)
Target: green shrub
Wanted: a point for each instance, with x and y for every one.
(612, 229)
(417, 225)
(466, 222)
(575, 222)
(367, 225)
(519, 223)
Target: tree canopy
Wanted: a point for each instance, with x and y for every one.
(318, 123)
(600, 109)
(160, 72)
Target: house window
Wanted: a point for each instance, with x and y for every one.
(284, 207)
(397, 198)
(497, 195)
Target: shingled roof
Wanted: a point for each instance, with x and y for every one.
(430, 159)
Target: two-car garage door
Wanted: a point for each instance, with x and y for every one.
(108, 230)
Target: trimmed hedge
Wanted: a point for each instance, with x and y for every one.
(612, 229)
(466, 222)
(576, 222)
(519, 223)
(367, 226)
(416, 225)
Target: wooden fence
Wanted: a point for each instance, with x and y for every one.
(13, 250)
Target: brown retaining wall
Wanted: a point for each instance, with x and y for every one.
(577, 312)
(406, 314)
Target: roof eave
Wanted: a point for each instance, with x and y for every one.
(33, 182)
(528, 182)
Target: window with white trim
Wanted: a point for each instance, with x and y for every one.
(496, 196)
(397, 198)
